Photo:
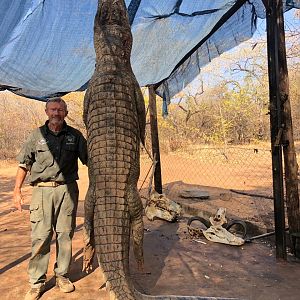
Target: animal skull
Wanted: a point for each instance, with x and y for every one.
(218, 234)
(159, 206)
(219, 218)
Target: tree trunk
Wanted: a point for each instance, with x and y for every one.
(276, 124)
(290, 160)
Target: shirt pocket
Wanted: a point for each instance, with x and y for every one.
(70, 147)
(43, 155)
(69, 152)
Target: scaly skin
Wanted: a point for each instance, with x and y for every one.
(114, 115)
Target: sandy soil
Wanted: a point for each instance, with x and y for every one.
(174, 264)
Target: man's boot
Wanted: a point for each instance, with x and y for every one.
(65, 285)
(35, 293)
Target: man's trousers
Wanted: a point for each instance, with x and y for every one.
(52, 209)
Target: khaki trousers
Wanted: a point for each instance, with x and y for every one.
(52, 209)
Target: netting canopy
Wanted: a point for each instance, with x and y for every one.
(46, 46)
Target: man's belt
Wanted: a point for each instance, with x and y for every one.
(49, 184)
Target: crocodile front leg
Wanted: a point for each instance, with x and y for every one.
(88, 226)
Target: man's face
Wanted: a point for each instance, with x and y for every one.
(56, 113)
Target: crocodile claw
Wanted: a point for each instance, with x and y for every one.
(88, 254)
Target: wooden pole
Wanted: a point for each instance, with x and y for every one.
(155, 140)
(276, 125)
(290, 160)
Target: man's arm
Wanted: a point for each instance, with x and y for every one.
(17, 197)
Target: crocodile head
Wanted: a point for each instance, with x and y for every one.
(112, 36)
(113, 12)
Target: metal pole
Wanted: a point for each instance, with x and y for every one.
(155, 140)
(276, 124)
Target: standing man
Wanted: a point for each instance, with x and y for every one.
(50, 155)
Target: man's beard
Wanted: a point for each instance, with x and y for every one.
(56, 121)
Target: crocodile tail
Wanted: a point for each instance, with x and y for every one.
(141, 296)
(117, 213)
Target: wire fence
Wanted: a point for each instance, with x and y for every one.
(238, 168)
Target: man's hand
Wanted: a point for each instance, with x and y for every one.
(18, 199)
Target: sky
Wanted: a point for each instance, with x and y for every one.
(217, 70)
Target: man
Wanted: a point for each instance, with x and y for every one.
(50, 155)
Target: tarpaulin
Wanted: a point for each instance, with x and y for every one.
(46, 46)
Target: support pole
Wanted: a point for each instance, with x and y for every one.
(276, 124)
(289, 154)
(155, 140)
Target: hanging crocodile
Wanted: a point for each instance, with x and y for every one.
(114, 116)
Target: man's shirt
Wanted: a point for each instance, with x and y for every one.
(53, 156)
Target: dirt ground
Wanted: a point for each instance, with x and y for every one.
(174, 264)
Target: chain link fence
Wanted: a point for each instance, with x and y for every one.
(237, 168)
(238, 178)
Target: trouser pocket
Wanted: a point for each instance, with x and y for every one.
(66, 220)
(36, 206)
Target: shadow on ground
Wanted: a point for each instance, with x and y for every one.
(174, 264)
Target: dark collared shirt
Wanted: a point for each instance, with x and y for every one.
(53, 156)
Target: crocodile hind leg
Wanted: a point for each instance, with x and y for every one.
(137, 225)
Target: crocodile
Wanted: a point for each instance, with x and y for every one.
(114, 115)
